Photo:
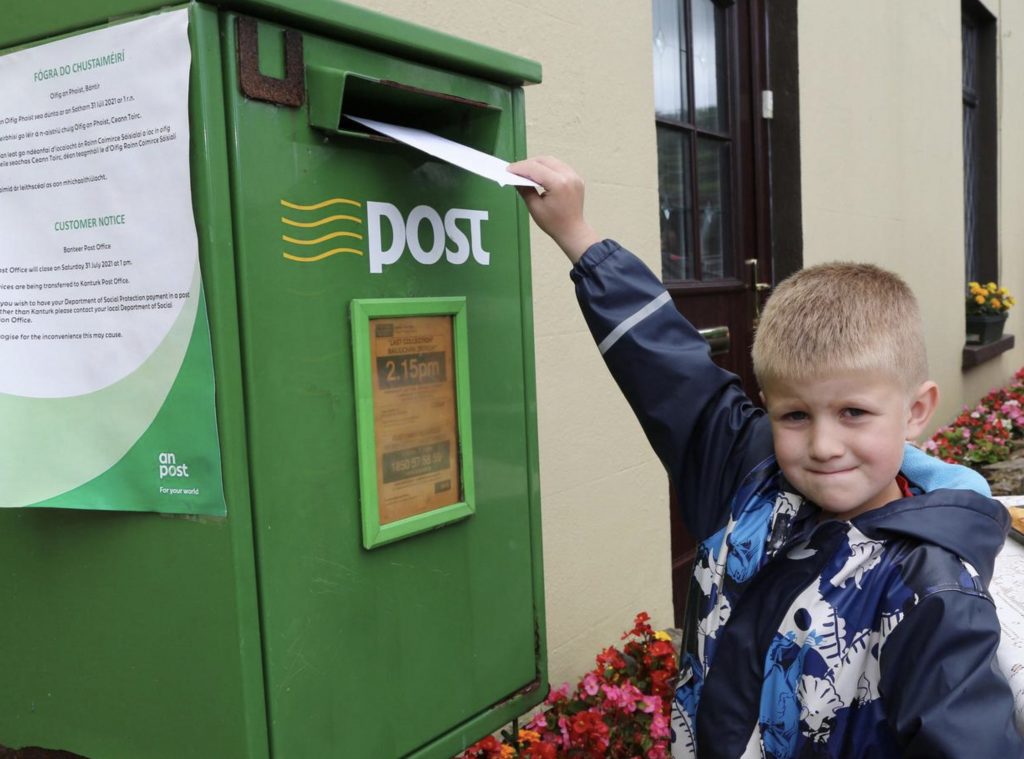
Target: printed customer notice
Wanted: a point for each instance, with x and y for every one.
(105, 372)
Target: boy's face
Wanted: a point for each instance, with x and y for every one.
(839, 440)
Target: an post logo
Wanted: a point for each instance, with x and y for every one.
(169, 466)
(456, 236)
(175, 473)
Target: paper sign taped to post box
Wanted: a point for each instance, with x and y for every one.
(106, 375)
(455, 153)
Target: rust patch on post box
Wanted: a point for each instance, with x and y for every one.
(291, 90)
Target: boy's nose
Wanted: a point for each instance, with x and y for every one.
(824, 443)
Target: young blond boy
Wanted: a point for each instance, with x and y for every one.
(839, 605)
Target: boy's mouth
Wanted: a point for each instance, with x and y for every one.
(830, 472)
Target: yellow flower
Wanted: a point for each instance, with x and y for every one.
(662, 635)
(996, 304)
(1003, 292)
(972, 285)
(506, 752)
(992, 287)
(979, 299)
(528, 736)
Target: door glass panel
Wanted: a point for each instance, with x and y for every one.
(713, 222)
(709, 59)
(670, 98)
(675, 204)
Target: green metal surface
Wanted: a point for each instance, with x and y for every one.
(26, 21)
(274, 633)
(431, 641)
(136, 636)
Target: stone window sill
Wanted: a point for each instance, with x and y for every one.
(974, 355)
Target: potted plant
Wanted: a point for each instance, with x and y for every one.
(986, 312)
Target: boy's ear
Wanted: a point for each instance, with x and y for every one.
(923, 403)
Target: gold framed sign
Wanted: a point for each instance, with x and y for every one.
(412, 389)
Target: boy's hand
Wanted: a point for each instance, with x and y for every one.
(559, 211)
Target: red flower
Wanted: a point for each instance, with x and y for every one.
(619, 709)
(660, 681)
(610, 657)
(540, 751)
(662, 648)
(640, 626)
(490, 743)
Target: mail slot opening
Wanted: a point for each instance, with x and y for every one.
(460, 119)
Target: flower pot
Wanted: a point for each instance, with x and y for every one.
(984, 328)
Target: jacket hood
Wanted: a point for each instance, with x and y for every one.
(962, 521)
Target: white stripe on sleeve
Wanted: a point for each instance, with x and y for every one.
(627, 324)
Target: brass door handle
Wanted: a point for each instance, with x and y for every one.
(757, 287)
(718, 339)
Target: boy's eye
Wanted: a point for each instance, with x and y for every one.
(794, 416)
(854, 412)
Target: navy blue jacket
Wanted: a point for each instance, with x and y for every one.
(874, 636)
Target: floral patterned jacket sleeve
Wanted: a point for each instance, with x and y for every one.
(702, 426)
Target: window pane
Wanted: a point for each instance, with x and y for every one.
(713, 218)
(709, 58)
(670, 99)
(970, 196)
(969, 47)
(675, 204)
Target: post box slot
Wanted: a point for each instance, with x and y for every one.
(335, 95)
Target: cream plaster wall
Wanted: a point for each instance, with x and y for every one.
(882, 160)
(604, 494)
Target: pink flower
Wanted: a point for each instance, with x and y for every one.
(538, 722)
(659, 726)
(591, 684)
(612, 695)
(650, 704)
(657, 751)
(630, 695)
(563, 727)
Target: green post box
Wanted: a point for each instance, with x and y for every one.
(375, 589)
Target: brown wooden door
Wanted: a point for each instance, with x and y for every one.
(710, 72)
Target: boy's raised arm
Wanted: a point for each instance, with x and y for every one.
(701, 425)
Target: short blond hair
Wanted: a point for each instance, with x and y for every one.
(841, 317)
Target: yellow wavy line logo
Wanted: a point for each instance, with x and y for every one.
(321, 204)
(322, 256)
(320, 222)
(312, 223)
(325, 238)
